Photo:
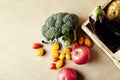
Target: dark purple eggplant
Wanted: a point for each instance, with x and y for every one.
(107, 31)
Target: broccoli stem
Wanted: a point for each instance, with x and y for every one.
(75, 36)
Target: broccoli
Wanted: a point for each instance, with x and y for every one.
(61, 27)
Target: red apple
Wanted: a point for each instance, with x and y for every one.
(80, 54)
(67, 74)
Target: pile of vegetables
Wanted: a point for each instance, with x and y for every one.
(60, 29)
(79, 53)
(59, 56)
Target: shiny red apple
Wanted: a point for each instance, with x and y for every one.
(67, 74)
(80, 54)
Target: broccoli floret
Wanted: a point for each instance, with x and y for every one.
(66, 28)
(52, 33)
(61, 25)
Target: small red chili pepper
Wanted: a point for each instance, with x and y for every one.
(37, 45)
(53, 66)
(55, 59)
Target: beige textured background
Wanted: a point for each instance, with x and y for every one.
(20, 24)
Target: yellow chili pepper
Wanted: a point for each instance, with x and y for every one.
(40, 52)
(55, 54)
(62, 56)
(68, 56)
(67, 50)
(56, 46)
(59, 64)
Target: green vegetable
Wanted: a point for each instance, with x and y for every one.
(97, 14)
(61, 27)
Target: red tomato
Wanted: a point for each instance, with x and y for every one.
(80, 54)
(53, 66)
(67, 74)
(55, 59)
(88, 42)
(37, 45)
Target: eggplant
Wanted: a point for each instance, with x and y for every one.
(107, 31)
